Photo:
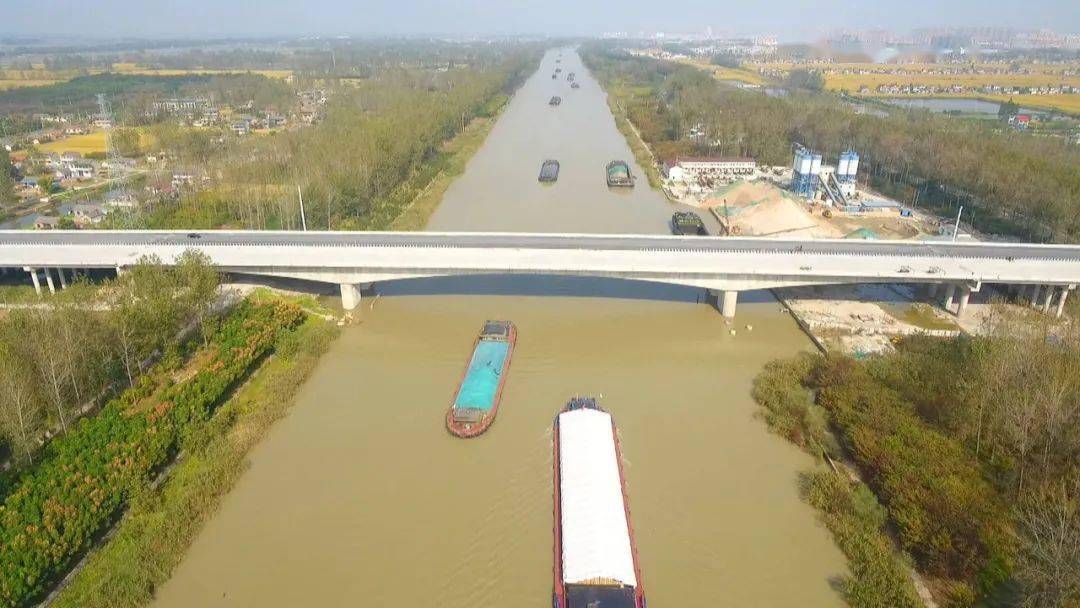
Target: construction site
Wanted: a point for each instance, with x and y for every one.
(812, 200)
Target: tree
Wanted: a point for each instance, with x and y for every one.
(7, 180)
(1048, 563)
(1008, 109)
(126, 142)
(21, 413)
(805, 79)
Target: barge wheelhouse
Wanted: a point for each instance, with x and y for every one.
(549, 171)
(477, 399)
(595, 553)
(618, 174)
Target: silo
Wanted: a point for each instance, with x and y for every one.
(797, 164)
(815, 165)
(805, 162)
(842, 166)
(853, 165)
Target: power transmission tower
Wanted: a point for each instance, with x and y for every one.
(118, 194)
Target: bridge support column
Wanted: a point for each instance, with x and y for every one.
(48, 279)
(1035, 295)
(350, 296)
(1045, 306)
(1061, 301)
(63, 281)
(931, 291)
(950, 291)
(965, 295)
(728, 300)
(34, 278)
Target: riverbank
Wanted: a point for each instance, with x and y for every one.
(642, 153)
(162, 522)
(457, 153)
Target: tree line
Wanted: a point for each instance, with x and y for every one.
(68, 352)
(1012, 182)
(972, 446)
(376, 135)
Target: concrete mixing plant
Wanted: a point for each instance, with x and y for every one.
(846, 171)
(805, 171)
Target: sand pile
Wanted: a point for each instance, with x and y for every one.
(761, 209)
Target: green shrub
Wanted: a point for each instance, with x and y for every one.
(56, 511)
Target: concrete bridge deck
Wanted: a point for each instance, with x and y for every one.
(720, 264)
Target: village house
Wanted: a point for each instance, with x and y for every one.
(88, 214)
(692, 169)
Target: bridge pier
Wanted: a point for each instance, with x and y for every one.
(965, 295)
(63, 281)
(350, 295)
(727, 303)
(34, 278)
(1035, 289)
(1061, 301)
(48, 279)
(950, 291)
(1045, 307)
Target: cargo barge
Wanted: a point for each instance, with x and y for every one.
(596, 561)
(476, 403)
(618, 174)
(549, 171)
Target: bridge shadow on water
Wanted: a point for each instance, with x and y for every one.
(517, 285)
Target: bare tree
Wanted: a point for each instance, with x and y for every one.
(1048, 563)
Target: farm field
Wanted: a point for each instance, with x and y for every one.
(8, 84)
(852, 82)
(135, 69)
(725, 73)
(83, 144)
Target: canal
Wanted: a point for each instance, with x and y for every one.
(361, 496)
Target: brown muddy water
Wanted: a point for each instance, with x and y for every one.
(361, 498)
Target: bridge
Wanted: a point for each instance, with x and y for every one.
(722, 265)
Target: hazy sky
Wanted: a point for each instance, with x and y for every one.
(791, 19)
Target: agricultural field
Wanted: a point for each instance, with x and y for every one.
(853, 82)
(7, 84)
(83, 144)
(724, 73)
(135, 69)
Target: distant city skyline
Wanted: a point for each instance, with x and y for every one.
(789, 20)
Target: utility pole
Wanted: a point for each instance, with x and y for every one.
(303, 217)
(956, 230)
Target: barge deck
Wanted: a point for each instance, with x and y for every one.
(476, 402)
(596, 559)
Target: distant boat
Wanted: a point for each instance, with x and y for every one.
(596, 559)
(554, 101)
(686, 222)
(549, 171)
(618, 174)
(477, 399)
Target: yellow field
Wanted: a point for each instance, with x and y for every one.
(6, 85)
(1065, 103)
(83, 144)
(132, 68)
(724, 73)
(853, 82)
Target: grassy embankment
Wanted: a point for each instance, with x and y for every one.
(616, 94)
(453, 157)
(163, 522)
(879, 572)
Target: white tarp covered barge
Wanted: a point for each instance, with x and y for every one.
(595, 554)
